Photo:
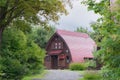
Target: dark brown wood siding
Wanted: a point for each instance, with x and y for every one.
(57, 60)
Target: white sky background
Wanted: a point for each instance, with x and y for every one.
(78, 16)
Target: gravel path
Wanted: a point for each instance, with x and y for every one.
(61, 75)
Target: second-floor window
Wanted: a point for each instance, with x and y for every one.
(57, 45)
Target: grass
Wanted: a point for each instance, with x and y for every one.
(90, 75)
(37, 76)
(81, 72)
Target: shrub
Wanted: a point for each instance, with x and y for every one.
(77, 66)
(91, 75)
(19, 56)
(113, 74)
(90, 64)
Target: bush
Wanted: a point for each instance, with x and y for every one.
(91, 75)
(90, 64)
(77, 66)
(113, 74)
(19, 56)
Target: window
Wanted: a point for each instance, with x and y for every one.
(66, 51)
(55, 45)
(67, 59)
(59, 43)
(59, 47)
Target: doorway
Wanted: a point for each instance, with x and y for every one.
(54, 61)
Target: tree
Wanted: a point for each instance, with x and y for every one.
(108, 27)
(31, 11)
(22, 25)
(84, 30)
(19, 55)
(92, 34)
(42, 35)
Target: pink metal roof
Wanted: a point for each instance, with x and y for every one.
(79, 44)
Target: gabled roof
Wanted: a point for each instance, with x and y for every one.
(80, 44)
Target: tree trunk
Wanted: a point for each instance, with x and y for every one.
(1, 32)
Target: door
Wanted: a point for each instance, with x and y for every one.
(62, 62)
(54, 62)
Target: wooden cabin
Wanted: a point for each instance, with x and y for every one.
(66, 47)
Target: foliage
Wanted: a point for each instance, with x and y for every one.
(30, 11)
(19, 55)
(108, 27)
(22, 25)
(42, 35)
(91, 75)
(83, 30)
(77, 66)
(35, 76)
(90, 64)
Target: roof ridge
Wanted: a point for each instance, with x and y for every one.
(71, 33)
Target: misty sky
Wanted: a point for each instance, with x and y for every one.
(78, 16)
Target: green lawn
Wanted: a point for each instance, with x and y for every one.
(37, 76)
(81, 72)
(90, 75)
